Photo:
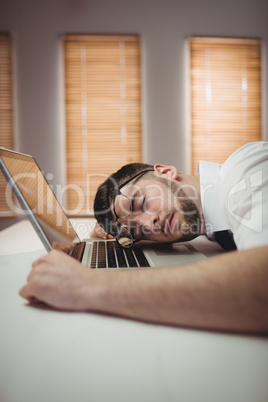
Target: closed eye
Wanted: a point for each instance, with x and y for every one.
(136, 205)
(133, 201)
(143, 204)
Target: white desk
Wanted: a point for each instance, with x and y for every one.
(51, 356)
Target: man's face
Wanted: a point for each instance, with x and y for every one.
(161, 210)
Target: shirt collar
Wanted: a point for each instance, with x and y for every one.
(209, 188)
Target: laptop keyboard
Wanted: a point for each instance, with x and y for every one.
(108, 254)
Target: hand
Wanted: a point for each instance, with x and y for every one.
(62, 246)
(59, 281)
(99, 232)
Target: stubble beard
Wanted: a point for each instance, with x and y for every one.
(192, 223)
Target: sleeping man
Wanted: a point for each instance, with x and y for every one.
(227, 203)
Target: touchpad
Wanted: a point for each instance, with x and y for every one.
(174, 249)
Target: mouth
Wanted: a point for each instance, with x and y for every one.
(169, 226)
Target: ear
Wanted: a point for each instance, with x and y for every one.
(169, 171)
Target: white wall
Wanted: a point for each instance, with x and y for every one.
(37, 27)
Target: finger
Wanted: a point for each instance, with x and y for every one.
(26, 293)
(98, 234)
(37, 267)
(39, 261)
(62, 246)
(35, 272)
(58, 244)
(103, 236)
(101, 232)
(33, 299)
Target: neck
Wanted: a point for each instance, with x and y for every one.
(192, 185)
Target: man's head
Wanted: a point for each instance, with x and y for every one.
(153, 202)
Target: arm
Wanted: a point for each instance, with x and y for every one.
(229, 292)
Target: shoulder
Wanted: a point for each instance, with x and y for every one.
(244, 194)
(247, 157)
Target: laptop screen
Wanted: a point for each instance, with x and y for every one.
(38, 195)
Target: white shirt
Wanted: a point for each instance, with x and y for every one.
(234, 195)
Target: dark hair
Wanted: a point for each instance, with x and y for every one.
(106, 191)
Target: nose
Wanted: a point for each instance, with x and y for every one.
(148, 220)
(145, 219)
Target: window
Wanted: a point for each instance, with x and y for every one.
(6, 110)
(225, 96)
(103, 112)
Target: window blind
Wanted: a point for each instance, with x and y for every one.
(225, 96)
(6, 110)
(103, 112)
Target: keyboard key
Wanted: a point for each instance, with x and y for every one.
(143, 262)
(130, 257)
(116, 256)
(94, 256)
(111, 255)
(101, 255)
(120, 256)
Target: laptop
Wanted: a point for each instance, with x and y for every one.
(40, 205)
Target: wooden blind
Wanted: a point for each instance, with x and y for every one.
(6, 110)
(103, 112)
(225, 96)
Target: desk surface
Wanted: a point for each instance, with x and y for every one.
(46, 355)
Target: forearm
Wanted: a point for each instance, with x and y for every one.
(229, 292)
